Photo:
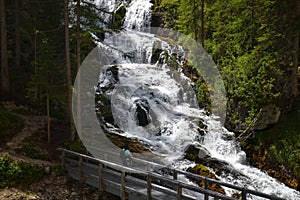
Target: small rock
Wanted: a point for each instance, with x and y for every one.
(74, 194)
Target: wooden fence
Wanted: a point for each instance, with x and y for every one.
(129, 183)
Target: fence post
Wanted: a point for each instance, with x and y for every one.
(149, 187)
(179, 192)
(175, 174)
(101, 184)
(205, 187)
(81, 169)
(123, 185)
(63, 159)
(244, 193)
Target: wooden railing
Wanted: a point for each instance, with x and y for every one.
(152, 181)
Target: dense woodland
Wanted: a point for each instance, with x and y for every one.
(255, 44)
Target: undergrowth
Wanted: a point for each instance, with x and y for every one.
(10, 125)
(31, 149)
(15, 174)
(283, 141)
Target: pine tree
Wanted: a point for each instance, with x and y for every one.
(5, 89)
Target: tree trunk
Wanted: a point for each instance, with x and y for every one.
(202, 23)
(252, 25)
(68, 73)
(48, 118)
(296, 49)
(195, 19)
(78, 34)
(17, 34)
(4, 59)
(78, 74)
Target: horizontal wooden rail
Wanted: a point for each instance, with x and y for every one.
(151, 178)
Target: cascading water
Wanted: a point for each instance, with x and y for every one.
(167, 103)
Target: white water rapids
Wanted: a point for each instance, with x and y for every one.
(174, 114)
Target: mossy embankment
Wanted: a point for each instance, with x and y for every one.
(277, 149)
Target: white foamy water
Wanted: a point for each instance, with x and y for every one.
(138, 15)
(172, 106)
(173, 109)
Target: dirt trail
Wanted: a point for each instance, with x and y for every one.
(52, 186)
(31, 124)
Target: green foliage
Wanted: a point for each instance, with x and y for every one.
(13, 174)
(32, 151)
(10, 125)
(59, 171)
(31, 148)
(252, 48)
(203, 94)
(169, 8)
(247, 42)
(76, 146)
(283, 141)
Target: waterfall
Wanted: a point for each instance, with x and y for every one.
(138, 15)
(168, 102)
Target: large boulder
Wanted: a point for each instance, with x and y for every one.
(196, 153)
(268, 115)
(204, 171)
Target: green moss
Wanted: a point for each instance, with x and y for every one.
(190, 156)
(59, 171)
(10, 125)
(14, 174)
(204, 171)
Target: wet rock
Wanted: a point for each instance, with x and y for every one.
(202, 125)
(221, 167)
(196, 153)
(202, 156)
(157, 20)
(156, 54)
(142, 113)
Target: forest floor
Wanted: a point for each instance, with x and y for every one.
(53, 185)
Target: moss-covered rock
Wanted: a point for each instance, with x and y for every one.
(204, 171)
(134, 145)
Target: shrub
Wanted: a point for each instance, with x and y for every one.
(13, 174)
